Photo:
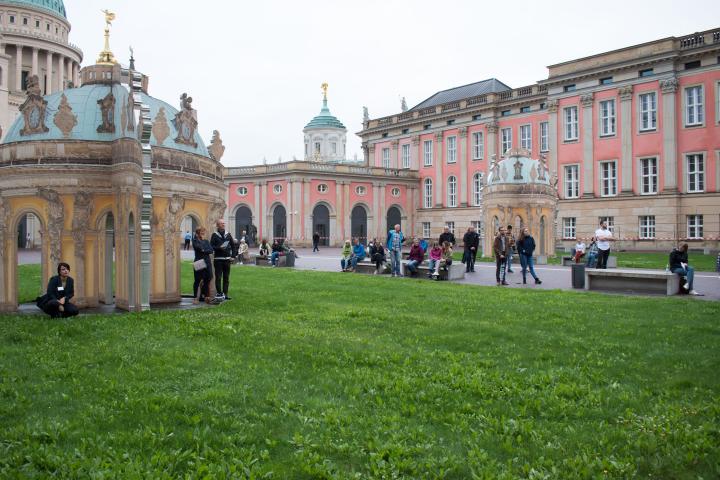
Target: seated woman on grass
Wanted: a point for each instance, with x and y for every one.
(434, 258)
(346, 255)
(377, 255)
(60, 290)
(416, 257)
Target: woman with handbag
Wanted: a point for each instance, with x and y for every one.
(202, 266)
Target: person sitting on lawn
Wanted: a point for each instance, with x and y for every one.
(416, 257)
(579, 251)
(264, 248)
(60, 290)
(346, 255)
(377, 255)
(358, 254)
(434, 259)
(592, 254)
(679, 264)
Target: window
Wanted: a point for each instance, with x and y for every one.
(544, 136)
(333, 147)
(427, 126)
(571, 123)
(386, 157)
(543, 105)
(525, 109)
(569, 227)
(607, 117)
(648, 111)
(452, 191)
(47, 27)
(477, 189)
(427, 193)
(395, 192)
(426, 229)
(608, 179)
(476, 224)
(606, 81)
(405, 130)
(450, 122)
(695, 173)
(477, 117)
(694, 113)
(277, 188)
(691, 65)
(609, 221)
(526, 137)
(694, 226)
(322, 188)
(506, 135)
(25, 21)
(648, 176)
(451, 149)
(505, 113)
(37, 23)
(242, 191)
(427, 152)
(451, 227)
(360, 190)
(645, 73)
(572, 181)
(12, 18)
(406, 155)
(569, 88)
(647, 227)
(478, 146)
(317, 148)
(384, 135)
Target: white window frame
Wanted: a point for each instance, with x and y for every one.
(505, 139)
(647, 111)
(569, 227)
(452, 191)
(570, 123)
(694, 105)
(526, 137)
(695, 176)
(650, 174)
(451, 227)
(333, 147)
(426, 229)
(609, 221)
(242, 191)
(428, 193)
(395, 191)
(607, 117)
(451, 143)
(386, 157)
(646, 227)
(695, 227)
(571, 182)
(277, 188)
(405, 155)
(477, 189)
(427, 153)
(322, 188)
(544, 129)
(361, 190)
(609, 180)
(478, 146)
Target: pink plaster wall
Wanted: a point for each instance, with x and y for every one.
(650, 143)
(569, 153)
(328, 197)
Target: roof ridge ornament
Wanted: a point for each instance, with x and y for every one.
(106, 57)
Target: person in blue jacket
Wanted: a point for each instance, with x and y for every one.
(358, 253)
(394, 244)
(525, 247)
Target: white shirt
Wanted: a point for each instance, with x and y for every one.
(580, 247)
(601, 236)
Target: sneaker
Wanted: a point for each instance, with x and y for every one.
(695, 292)
(504, 283)
(686, 286)
(375, 272)
(524, 281)
(538, 281)
(393, 275)
(226, 297)
(511, 271)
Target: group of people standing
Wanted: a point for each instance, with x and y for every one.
(225, 248)
(505, 246)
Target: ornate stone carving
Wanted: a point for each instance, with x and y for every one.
(81, 221)
(416, 140)
(494, 169)
(625, 93)
(160, 128)
(552, 106)
(130, 107)
(587, 99)
(33, 109)
(504, 173)
(56, 219)
(3, 225)
(533, 175)
(542, 168)
(493, 127)
(439, 137)
(462, 131)
(669, 85)
(215, 211)
(403, 105)
(185, 122)
(394, 144)
(217, 149)
(169, 229)
(518, 169)
(123, 118)
(107, 112)
(366, 115)
(64, 118)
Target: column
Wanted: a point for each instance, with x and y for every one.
(256, 210)
(439, 180)
(340, 215)
(297, 210)
(34, 62)
(491, 139)
(587, 144)
(348, 211)
(626, 138)
(394, 159)
(552, 106)
(376, 212)
(383, 210)
(307, 213)
(263, 212)
(49, 67)
(669, 87)
(366, 154)
(462, 142)
(414, 153)
(371, 156)
(18, 67)
(61, 73)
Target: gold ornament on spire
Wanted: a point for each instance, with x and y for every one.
(324, 87)
(106, 57)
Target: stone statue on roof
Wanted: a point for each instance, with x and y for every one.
(366, 115)
(403, 105)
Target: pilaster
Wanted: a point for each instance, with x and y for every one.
(462, 143)
(394, 159)
(587, 146)
(348, 210)
(307, 213)
(491, 139)
(263, 212)
(669, 88)
(626, 138)
(439, 181)
(18, 67)
(414, 154)
(35, 62)
(340, 221)
(552, 106)
(49, 68)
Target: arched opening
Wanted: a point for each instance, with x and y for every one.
(279, 222)
(518, 225)
(496, 226)
(321, 223)
(542, 236)
(30, 260)
(28, 232)
(131, 263)
(107, 262)
(358, 224)
(188, 225)
(244, 223)
(393, 218)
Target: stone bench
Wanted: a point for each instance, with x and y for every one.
(456, 271)
(567, 261)
(368, 267)
(262, 260)
(283, 261)
(632, 281)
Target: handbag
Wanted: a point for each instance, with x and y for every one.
(199, 265)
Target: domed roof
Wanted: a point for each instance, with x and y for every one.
(325, 119)
(84, 104)
(516, 167)
(53, 6)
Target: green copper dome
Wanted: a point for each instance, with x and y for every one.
(53, 6)
(325, 119)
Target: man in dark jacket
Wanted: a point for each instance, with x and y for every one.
(447, 236)
(679, 265)
(501, 245)
(471, 241)
(316, 242)
(225, 249)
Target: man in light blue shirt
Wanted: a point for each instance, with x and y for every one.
(394, 244)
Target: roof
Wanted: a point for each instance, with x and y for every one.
(325, 119)
(54, 6)
(491, 85)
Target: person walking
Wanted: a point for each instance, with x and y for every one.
(394, 244)
(203, 275)
(679, 265)
(316, 242)
(416, 257)
(377, 255)
(471, 240)
(188, 238)
(447, 236)
(225, 249)
(526, 247)
(603, 236)
(60, 290)
(500, 249)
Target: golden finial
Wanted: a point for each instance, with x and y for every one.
(324, 87)
(106, 57)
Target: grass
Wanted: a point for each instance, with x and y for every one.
(322, 375)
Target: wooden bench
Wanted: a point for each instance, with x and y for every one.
(632, 281)
(456, 271)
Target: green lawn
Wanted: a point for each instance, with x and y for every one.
(323, 375)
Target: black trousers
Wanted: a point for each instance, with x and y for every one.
(315, 247)
(603, 258)
(222, 275)
(470, 260)
(500, 268)
(204, 276)
(52, 308)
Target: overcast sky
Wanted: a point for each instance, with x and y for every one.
(254, 69)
